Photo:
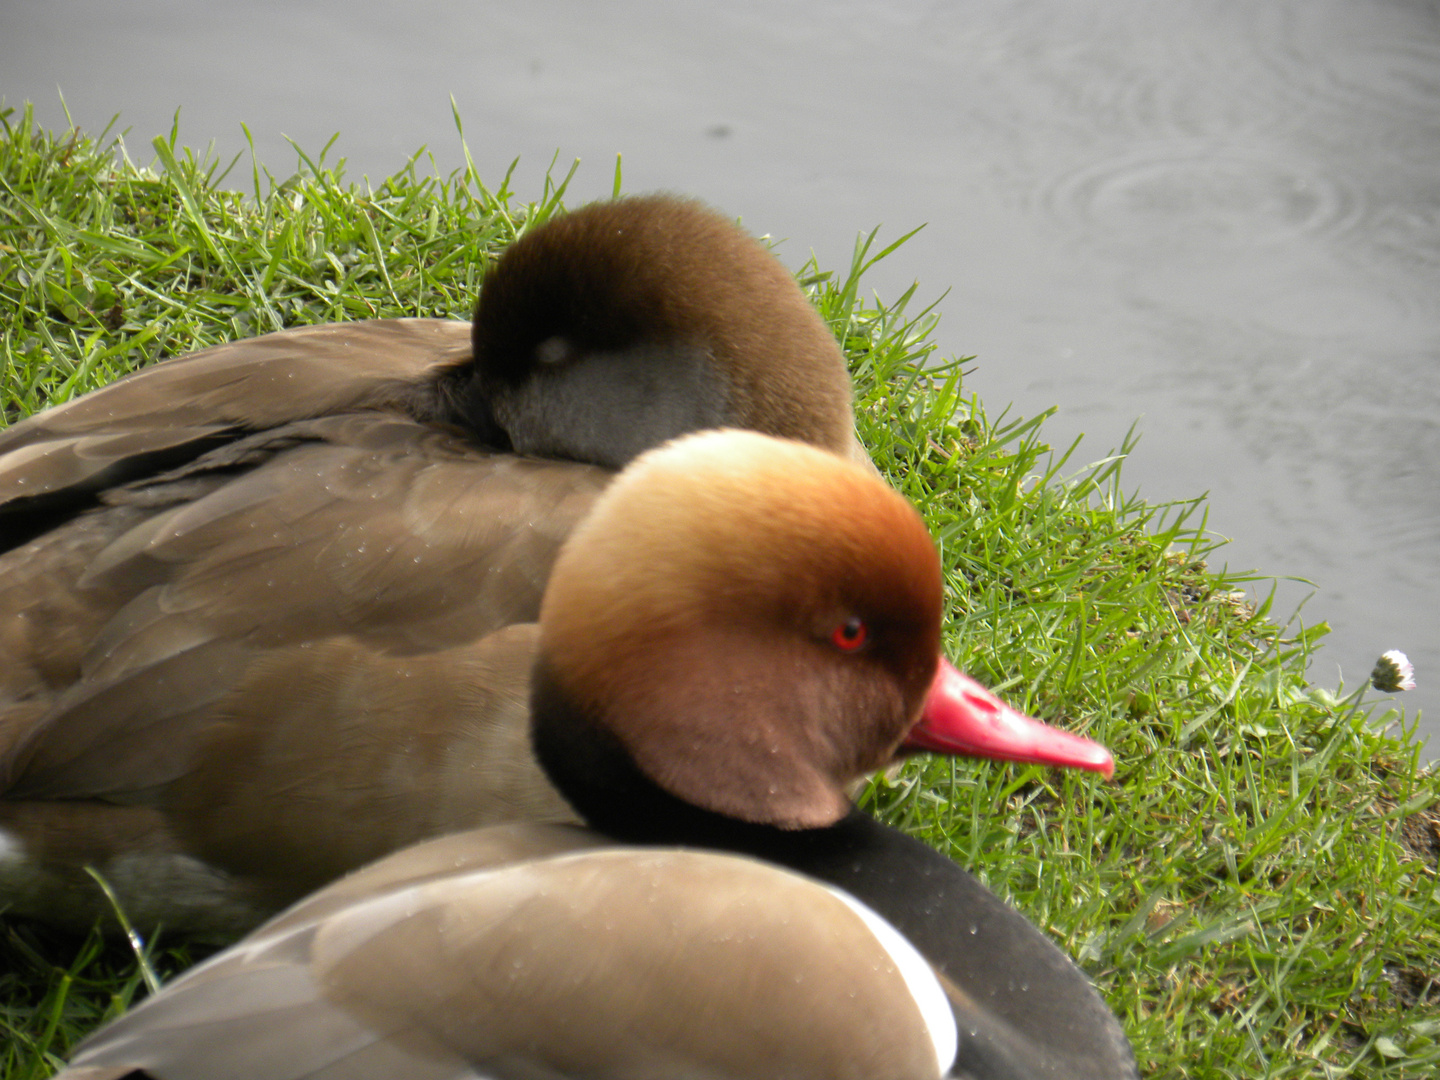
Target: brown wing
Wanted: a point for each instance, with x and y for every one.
(169, 413)
(136, 633)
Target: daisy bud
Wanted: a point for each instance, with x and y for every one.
(1393, 672)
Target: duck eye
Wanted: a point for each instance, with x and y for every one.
(850, 634)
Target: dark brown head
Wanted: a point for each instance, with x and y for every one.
(757, 623)
(607, 330)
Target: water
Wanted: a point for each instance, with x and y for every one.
(1219, 217)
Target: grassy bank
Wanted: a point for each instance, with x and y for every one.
(1256, 893)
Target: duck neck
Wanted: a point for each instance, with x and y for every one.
(1024, 1009)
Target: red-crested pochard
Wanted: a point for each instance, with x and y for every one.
(293, 569)
(777, 641)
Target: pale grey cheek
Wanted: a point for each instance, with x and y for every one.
(608, 407)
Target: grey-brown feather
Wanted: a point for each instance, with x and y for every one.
(208, 604)
(248, 385)
(326, 540)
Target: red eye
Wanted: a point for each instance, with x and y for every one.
(850, 634)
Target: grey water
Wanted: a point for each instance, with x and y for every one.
(1217, 218)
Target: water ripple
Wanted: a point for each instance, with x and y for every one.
(1387, 64)
(1202, 195)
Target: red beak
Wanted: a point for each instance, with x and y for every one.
(962, 717)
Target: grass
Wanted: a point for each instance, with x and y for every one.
(1256, 894)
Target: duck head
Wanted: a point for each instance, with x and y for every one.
(607, 330)
(761, 643)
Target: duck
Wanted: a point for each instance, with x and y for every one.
(727, 912)
(299, 567)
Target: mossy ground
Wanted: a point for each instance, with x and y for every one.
(1256, 893)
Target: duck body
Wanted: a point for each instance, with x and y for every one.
(1022, 1007)
(793, 935)
(285, 588)
(514, 964)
